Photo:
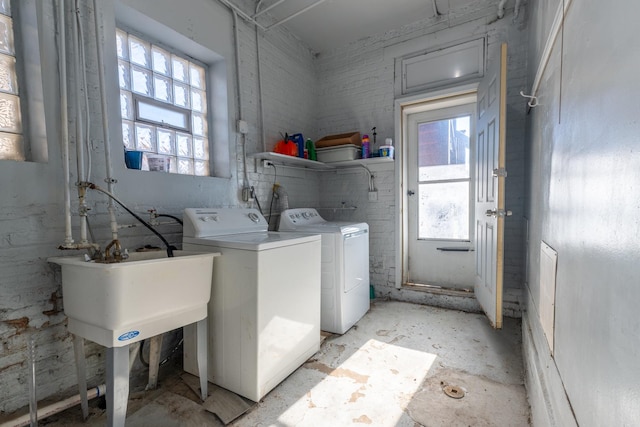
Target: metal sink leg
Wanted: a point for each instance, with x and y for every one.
(201, 356)
(117, 385)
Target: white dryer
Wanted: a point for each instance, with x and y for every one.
(345, 266)
(264, 312)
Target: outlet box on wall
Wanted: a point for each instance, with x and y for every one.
(373, 196)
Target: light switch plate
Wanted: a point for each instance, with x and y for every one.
(373, 196)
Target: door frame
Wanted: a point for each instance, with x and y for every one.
(402, 108)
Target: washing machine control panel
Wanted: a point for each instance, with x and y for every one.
(208, 222)
(292, 219)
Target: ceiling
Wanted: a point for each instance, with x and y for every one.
(334, 23)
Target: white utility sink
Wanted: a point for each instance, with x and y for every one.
(118, 304)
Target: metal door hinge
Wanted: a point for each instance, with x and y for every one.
(501, 213)
(500, 172)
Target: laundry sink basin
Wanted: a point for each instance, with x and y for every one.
(118, 304)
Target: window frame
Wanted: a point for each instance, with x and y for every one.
(151, 100)
(137, 98)
(210, 45)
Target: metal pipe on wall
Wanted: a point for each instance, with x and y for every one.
(241, 13)
(501, 8)
(105, 122)
(558, 22)
(64, 125)
(57, 407)
(79, 131)
(266, 9)
(293, 15)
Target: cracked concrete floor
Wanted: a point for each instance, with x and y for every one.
(389, 370)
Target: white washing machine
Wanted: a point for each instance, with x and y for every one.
(264, 312)
(345, 266)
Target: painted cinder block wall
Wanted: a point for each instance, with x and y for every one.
(356, 92)
(582, 200)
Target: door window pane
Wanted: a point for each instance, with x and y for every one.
(443, 149)
(444, 179)
(443, 211)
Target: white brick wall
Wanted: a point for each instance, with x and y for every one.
(31, 200)
(350, 88)
(356, 92)
(288, 95)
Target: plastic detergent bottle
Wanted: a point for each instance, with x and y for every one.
(365, 146)
(311, 149)
(299, 140)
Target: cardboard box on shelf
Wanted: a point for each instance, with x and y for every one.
(352, 138)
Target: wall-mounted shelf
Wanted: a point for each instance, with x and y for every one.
(282, 159)
(290, 160)
(361, 162)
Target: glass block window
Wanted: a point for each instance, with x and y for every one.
(163, 105)
(11, 138)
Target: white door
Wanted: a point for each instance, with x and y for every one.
(440, 154)
(490, 188)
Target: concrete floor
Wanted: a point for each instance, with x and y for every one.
(391, 369)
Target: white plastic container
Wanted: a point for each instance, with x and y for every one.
(339, 153)
(386, 151)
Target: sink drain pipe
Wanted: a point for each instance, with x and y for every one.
(57, 407)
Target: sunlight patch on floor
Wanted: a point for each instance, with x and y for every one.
(373, 386)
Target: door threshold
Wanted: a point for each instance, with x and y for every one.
(434, 289)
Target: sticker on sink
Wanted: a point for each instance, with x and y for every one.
(128, 335)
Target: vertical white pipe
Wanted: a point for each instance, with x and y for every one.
(501, 8)
(33, 402)
(105, 121)
(262, 130)
(64, 125)
(243, 137)
(79, 143)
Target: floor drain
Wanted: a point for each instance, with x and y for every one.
(453, 391)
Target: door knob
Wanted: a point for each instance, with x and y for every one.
(410, 193)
